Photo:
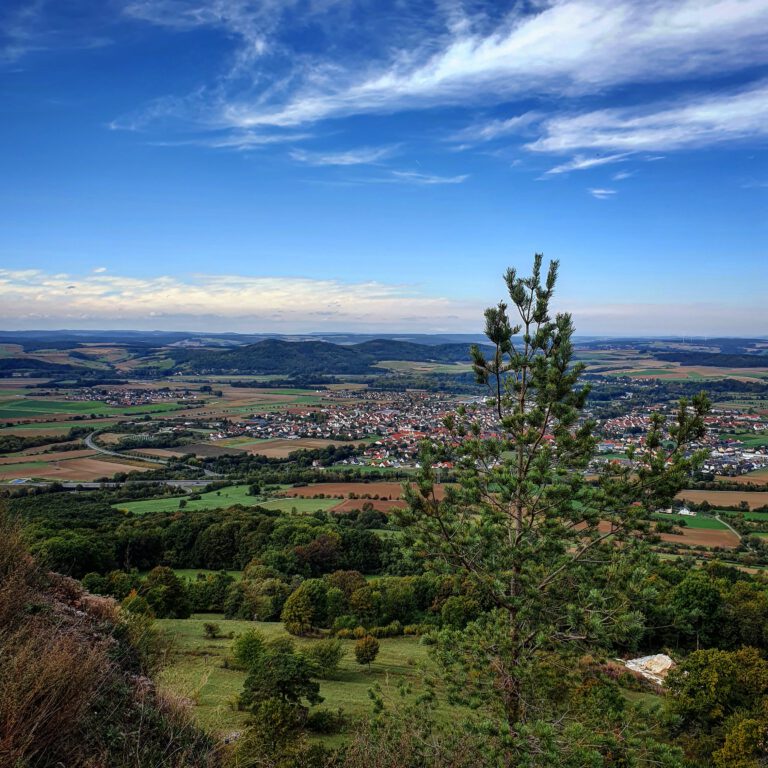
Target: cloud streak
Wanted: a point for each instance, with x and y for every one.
(687, 124)
(359, 156)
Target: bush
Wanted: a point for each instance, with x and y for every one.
(326, 721)
(211, 630)
(326, 655)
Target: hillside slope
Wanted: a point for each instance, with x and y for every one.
(75, 689)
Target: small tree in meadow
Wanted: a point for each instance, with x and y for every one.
(366, 650)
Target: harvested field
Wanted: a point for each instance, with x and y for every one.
(380, 505)
(755, 499)
(758, 477)
(84, 469)
(160, 453)
(695, 537)
(20, 382)
(48, 457)
(210, 450)
(280, 448)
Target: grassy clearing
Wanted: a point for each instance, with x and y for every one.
(195, 670)
(707, 523)
(192, 573)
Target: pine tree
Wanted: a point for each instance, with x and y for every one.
(554, 551)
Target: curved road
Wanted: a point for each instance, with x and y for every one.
(93, 446)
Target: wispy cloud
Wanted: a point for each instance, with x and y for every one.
(28, 28)
(494, 129)
(600, 193)
(358, 156)
(414, 177)
(568, 47)
(697, 121)
(621, 175)
(582, 162)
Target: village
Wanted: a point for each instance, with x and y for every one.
(392, 426)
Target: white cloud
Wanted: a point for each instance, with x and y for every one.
(601, 194)
(99, 270)
(33, 298)
(621, 175)
(359, 156)
(688, 123)
(567, 47)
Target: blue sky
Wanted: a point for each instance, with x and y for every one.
(319, 165)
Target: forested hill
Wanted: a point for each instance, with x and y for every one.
(274, 356)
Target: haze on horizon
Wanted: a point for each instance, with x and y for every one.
(350, 166)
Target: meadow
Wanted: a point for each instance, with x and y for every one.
(196, 671)
(227, 497)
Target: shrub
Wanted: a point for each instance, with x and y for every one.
(326, 721)
(248, 649)
(211, 630)
(326, 655)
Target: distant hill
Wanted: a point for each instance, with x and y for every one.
(277, 357)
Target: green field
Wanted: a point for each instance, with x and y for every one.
(751, 439)
(754, 516)
(699, 521)
(225, 497)
(195, 671)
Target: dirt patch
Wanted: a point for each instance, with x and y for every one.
(717, 499)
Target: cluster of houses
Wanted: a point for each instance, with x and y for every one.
(121, 397)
